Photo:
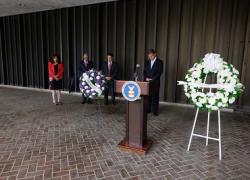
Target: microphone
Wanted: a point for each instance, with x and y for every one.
(137, 72)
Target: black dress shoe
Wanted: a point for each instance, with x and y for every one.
(156, 113)
(106, 102)
(83, 102)
(113, 102)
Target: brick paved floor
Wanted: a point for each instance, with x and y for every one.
(41, 141)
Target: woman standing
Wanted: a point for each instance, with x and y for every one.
(55, 68)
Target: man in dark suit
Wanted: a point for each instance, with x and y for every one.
(85, 65)
(152, 72)
(110, 70)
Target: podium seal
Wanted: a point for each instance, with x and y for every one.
(131, 91)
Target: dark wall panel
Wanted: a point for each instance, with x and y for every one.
(181, 31)
(2, 77)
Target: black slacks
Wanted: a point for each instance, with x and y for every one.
(110, 90)
(153, 98)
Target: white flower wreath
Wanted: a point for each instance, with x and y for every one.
(228, 84)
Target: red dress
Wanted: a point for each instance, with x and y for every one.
(55, 69)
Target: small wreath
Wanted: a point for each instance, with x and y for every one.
(228, 84)
(92, 84)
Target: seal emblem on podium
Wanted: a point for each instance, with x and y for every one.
(131, 91)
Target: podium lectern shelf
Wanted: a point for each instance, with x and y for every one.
(136, 121)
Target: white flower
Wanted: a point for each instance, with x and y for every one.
(196, 74)
(211, 100)
(190, 80)
(203, 100)
(191, 69)
(225, 105)
(210, 94)
(239, 85)
(208, 106)
(98, 77)
(91, 78)
(103, 88)
(225, 73)
(225, 99)
(194, 95)
(215, 108)
(232, 80)
(199, 104)
(219, 95)
(83, 83)
(235, 71)
(231, 100)
(188, 95)
(199, 67)
(185, 88)
(219, 104)
(87, 91)
(199, 80)
(92, 74)
(212, 63)
(229, 87)
(86, 87)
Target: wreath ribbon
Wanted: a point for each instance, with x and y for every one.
(88, 81)
(203, 85)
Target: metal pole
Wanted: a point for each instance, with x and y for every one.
(219, 134)
(208, 121)
(192, 132)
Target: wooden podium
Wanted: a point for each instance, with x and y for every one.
(136, 121)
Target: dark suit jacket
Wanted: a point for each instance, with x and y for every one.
(82, 68)
(155, 72)
(113, 72)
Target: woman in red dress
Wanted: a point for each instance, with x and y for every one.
(55, 68)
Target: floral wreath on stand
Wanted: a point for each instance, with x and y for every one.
(228, 84)
(92, 84)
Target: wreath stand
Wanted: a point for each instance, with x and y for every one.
(227, 80)
(99, 110)
(207, 137)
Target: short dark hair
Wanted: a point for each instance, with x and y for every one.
(110, 54)
(151, 51)
(58, 57)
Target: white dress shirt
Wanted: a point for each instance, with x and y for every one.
(152, 62)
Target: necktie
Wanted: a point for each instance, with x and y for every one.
(109, 66)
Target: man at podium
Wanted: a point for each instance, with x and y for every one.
(152, 72)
